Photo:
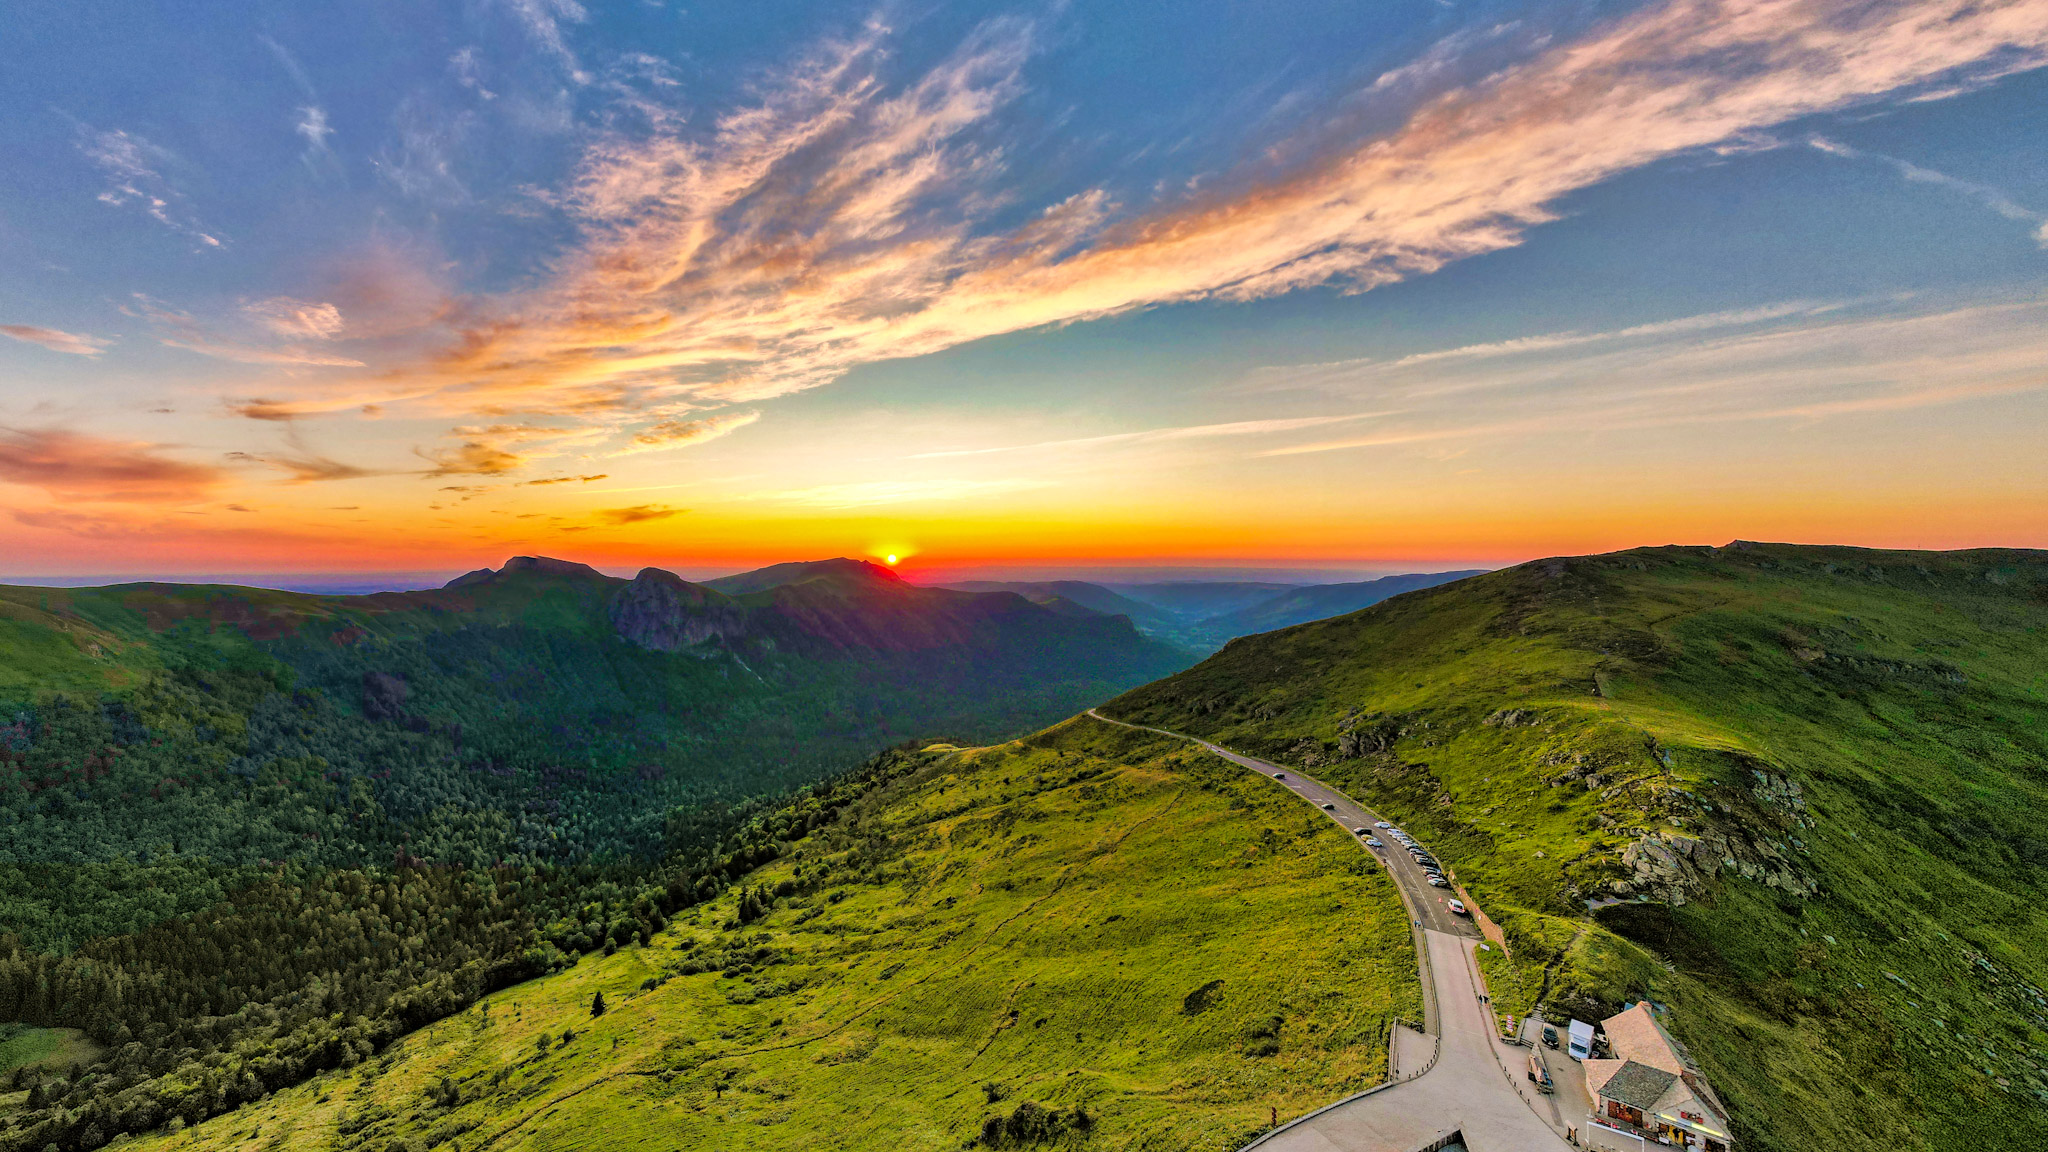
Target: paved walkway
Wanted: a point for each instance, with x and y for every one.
(1471, 1087)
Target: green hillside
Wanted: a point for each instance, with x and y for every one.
(284, 828)
(1091, 938)
(1796, 793)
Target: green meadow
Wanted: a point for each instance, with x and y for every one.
(1088, 937)
(1794, 793)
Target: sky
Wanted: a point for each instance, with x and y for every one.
(381, 286)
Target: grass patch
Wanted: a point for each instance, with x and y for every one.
(1512, 992)
(23, 1046)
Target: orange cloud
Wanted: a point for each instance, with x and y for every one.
(54, 340)
(74, 466)
(473, 458)
(637, 513)
(802, 236)
(677, 433)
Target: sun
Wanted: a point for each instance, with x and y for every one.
(890, 558)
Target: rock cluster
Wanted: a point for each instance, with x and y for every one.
(664, 612)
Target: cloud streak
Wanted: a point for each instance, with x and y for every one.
(132, 166)
(56, 341)
(75, 466)
(1824, 366)
(1984, 194)
(1184, 432)
(681, 433)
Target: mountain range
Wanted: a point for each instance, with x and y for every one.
(1205, 615)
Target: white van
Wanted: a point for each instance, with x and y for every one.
(1580, 1044)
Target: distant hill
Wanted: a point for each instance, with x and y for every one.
(1795, 794)
(1205, 615)
(1301, 605)
(1190, 600)
(1094, 597)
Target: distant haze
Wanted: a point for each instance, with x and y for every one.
(360, 583)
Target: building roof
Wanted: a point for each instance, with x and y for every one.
(1636, 1037)
(1634, 1034)
(1637, 1085)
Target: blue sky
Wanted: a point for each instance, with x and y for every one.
(335, 285)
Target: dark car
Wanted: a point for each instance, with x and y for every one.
(1549, 1036)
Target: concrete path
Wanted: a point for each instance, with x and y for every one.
(1472, 1085)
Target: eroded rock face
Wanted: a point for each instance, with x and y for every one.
(662, 611)
(1674, 868)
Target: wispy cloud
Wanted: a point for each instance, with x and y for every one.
(1184, 432)
(305, 467)
(639, 513)
(132, 166)
(296, 319)
(281, 315)
(473, 458)
(467, 66)
(312, 125)
(55, 340)
(680, 433)
(75, 466)
(1822, 366)
(253, 354)
(1984, 194)
(542, 21)
(1345, 375)
(842, 219)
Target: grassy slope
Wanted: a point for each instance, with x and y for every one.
(1033, 916)
(1906, 693)
(54, 1048)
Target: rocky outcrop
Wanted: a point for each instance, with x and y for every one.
(1675, 868)
(662, 611)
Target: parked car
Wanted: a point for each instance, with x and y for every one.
(1361, 831)
(1549, 1036)
(1374, 841)
(1539, 1075)
(1383, 824)
(1439, 882)
(1458, 907)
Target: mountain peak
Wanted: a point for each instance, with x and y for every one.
(841, 569)
(546, 564)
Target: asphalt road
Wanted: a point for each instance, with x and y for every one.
(1471, 1086)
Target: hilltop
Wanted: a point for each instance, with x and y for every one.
(1791, 793)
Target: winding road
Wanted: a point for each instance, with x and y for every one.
(1468, 1079)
